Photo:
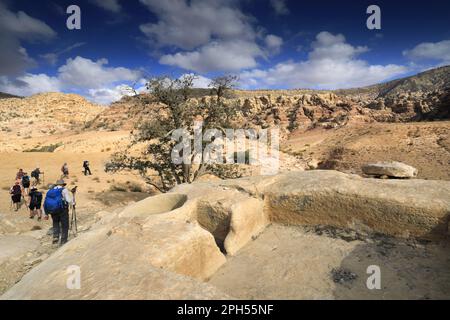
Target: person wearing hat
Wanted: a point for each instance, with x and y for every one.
(56, 204)
(35, 203)
(16, 195)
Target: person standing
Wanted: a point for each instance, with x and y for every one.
(86, 168)
(16, 195)
(19, 175)
(35, 203)
(36, 174)
(65, 171)
(56, 204)
(26, 183)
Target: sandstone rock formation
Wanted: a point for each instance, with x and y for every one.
(45, 113)
(153, 249)
(392, 169)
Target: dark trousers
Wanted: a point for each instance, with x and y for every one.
(61, 225)
(86, 170)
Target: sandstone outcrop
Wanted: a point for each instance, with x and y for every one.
(392, 169)
(153, 249)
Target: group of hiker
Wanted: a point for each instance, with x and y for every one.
(58, 199)
(21, 189)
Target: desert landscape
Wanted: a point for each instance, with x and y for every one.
(364, 179)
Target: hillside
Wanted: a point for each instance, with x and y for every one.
(7, 96)
(431, 80)
(425, 96)
(46, 113)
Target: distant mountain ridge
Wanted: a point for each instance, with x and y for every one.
(431, 80)
(7, 96)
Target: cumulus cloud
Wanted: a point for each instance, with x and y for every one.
(94, 79)
(107, 95)
(332, 63)
(85, 73)
(273, 43)
(187, 25)
(212, 35)
(436, 51)
(199, 81)
(29, 84)
(109, 5)
(280, 7)
(15, 28)
(224, 56)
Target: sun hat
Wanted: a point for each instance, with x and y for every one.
(60, 183)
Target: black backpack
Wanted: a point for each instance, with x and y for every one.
(34, 174)
(36, 197)
(25, 180)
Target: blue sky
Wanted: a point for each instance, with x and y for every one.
(267, 43)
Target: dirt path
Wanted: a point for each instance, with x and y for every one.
(293, 263)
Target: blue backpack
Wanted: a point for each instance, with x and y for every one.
(54, 201)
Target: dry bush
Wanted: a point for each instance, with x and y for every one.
(127, 187)
(335, 157)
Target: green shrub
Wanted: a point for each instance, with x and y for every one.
(49, 148)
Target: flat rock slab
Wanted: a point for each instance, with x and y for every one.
(287, 262)
(391, 169)
(16, 246)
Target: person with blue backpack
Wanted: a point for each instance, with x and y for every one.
(56, 204)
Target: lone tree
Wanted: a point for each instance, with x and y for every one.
(173, 110)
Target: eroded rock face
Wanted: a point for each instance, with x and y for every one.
(154, 249)
(391, 169)
(248, 219)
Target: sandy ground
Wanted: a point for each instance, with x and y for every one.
(424, 145)
(31, 242)
(295, 263)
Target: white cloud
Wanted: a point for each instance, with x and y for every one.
(51, 58)
(199, 81)
(213, 35)
(30, 84)
(437, 51)
(224, 56)
(279, 6)
(188, 25)
(334, 47)
(22, 26)
(109, 5)
(273, 43)
(14, 28)
(94, 79)
(85, 73)
(331, 64)
(107, 95)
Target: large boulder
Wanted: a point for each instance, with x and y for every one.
(390, 168)
(403, 208)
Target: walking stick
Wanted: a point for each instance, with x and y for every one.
(73, 222)
(73, 219)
